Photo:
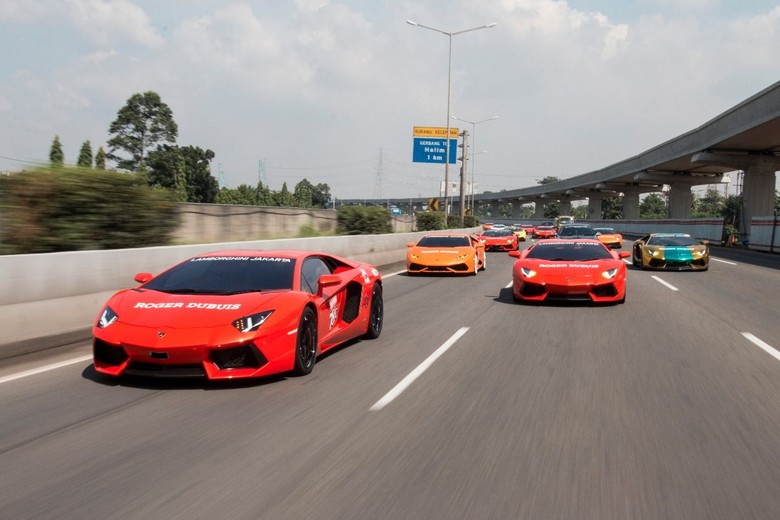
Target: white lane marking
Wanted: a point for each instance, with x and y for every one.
(628, 262)
(769, 349)
(670, 286)
(507, 286)
(45, 368)
(417, 372)
(393, 274)
(723, 261)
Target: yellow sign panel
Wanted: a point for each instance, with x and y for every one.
(435, 131)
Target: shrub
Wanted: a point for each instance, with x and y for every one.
(429, 220)
(363, 220)
(69, 209)
(470, 221)
(453, 222)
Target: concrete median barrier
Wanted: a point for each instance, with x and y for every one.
(49, 300)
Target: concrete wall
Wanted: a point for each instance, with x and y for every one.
(208, 223)
(47, 297)
(765, 234)
(202, 223)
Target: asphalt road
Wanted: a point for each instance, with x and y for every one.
(666, 407)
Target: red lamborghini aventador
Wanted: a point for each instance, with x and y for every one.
(237, 314)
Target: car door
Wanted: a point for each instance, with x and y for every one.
(331, 325)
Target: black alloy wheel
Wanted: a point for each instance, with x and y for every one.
(637, 263)
(376, 313)
(306, 343)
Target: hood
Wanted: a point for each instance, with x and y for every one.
(570, 272)
(678, 253)
(157, 309)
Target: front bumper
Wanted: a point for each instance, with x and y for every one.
(597, 293)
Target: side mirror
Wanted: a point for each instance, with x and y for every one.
(143, 277)
(705, 242)
(514, 254)
(624, 254)
(327, 280)
(410, 244)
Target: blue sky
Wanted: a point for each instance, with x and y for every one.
(331, 90)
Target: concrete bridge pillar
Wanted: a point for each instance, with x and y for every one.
(517, 209)
(758, 193)
(630, 204)
(758, 187)
(594, 206)
(565, 206)
(539, 209)
(680, 200)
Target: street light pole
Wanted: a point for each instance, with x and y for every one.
(474, 144)
(449, 92)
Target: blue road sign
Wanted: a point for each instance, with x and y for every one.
(429, 150)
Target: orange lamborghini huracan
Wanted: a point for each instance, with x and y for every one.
(446, 253)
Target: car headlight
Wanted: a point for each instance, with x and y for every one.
(699, 252)
(413, 257)
(107, 317)
(527, 272)
(653, 252)
(610, 273)
(252, 322)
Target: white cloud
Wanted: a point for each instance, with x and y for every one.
(18, 11)
(103, 22)
(318, 87)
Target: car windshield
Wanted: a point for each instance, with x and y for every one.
(604, 230)
(544, 228)
(573, 230)
(497, 233)
(576, 251)
(433, 241)
(672, 240)
(226, 275)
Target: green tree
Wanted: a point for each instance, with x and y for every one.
(302, 194)
(264, 195)
(56, 155)
(612, 208)
(100, 159)
(85, 155)
(653, 206)
(168, 169)
(243, 194)
(711, 204)
(201, 185)
(732, 212)
(320, 196)
(580, 212)
(283, 197)
(142, 124)
(184, 169)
